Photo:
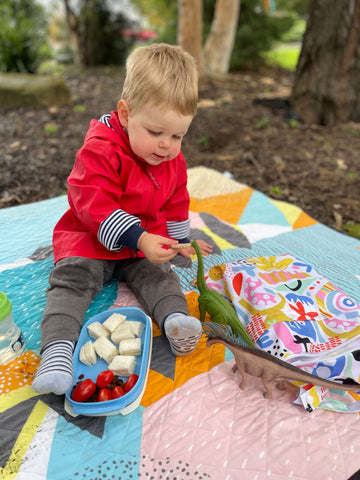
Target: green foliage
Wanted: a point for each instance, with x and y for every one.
(296, 32)
(257, 33)
(203, 141)
(352, 229)
(80, 108)
(257, 30)
(23, 28)
(101, 39)
(275, 191)
(300, 7)
(294, 123)
(286, 57)
(162, 16)
(51, 67)
(50, 129)
(262, 123)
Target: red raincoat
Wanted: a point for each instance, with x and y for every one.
(107, 177)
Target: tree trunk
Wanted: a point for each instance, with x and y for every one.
(73, 25)
(220, 42)
(190, 29)
(327, 80)
(84, 31)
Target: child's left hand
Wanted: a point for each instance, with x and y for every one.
(205, 249)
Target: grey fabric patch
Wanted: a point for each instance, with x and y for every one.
(162, 360)
(225, 231)
(195, 234)
(219, 228)
(14, 418)
(42, 253)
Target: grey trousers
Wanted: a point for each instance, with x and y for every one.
(75, 281)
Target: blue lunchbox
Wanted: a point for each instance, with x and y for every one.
(131, 400)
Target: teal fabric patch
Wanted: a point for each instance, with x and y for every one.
(106, 458)
(260, 209)
(25, 228)
(26, 288)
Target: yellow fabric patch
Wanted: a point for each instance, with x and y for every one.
(220, 242)
(291, 212)
(23, 441)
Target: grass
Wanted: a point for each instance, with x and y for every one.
(286, 56)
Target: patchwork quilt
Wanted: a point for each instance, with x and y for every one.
(295, 285)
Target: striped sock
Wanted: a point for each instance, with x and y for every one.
(55, 373)
(183, 333)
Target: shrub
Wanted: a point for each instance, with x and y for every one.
(100, 34)
(23, 28)
(257, 32)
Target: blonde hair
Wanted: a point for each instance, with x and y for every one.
(163, 75)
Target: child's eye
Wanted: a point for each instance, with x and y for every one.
(177, 137)
(155, 134)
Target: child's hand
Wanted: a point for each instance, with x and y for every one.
(153, 247)
(205, 249)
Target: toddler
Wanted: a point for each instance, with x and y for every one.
(129, 208)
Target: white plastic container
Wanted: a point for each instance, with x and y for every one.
(12, 342)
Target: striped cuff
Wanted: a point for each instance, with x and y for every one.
(113, 227)
(105, 120)
(178, 230)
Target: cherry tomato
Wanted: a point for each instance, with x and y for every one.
(118, 392)
(104, 395)
(130, 382)
(104, 378)
(83, 390)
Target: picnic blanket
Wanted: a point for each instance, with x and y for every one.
(193, 421)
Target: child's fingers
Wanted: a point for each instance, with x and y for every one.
(205, 247)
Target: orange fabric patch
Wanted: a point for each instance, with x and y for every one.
(200, 361)
(193, 305)
(304, 220)
(229, 207)
(19, 372)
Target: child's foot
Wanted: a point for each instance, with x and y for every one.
(183, 333)
(55, 373)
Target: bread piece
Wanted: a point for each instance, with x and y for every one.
(135, 327)
(112, 322)
(131, 346)
(87, 353)
(105, 349)
(96, 330)
(180, 246)
(123, 365)
(122, 333)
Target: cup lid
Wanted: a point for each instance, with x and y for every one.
(5, 306)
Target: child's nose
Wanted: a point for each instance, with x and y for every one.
(164, 143)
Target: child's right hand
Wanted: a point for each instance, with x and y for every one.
(153, 247)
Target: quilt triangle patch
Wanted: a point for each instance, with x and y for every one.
(294, 215)
(228, 207)
(261, 209)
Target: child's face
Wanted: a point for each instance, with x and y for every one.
(155, 134)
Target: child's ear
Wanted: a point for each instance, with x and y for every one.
(123, 112)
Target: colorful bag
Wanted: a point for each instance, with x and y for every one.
(294, 313)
